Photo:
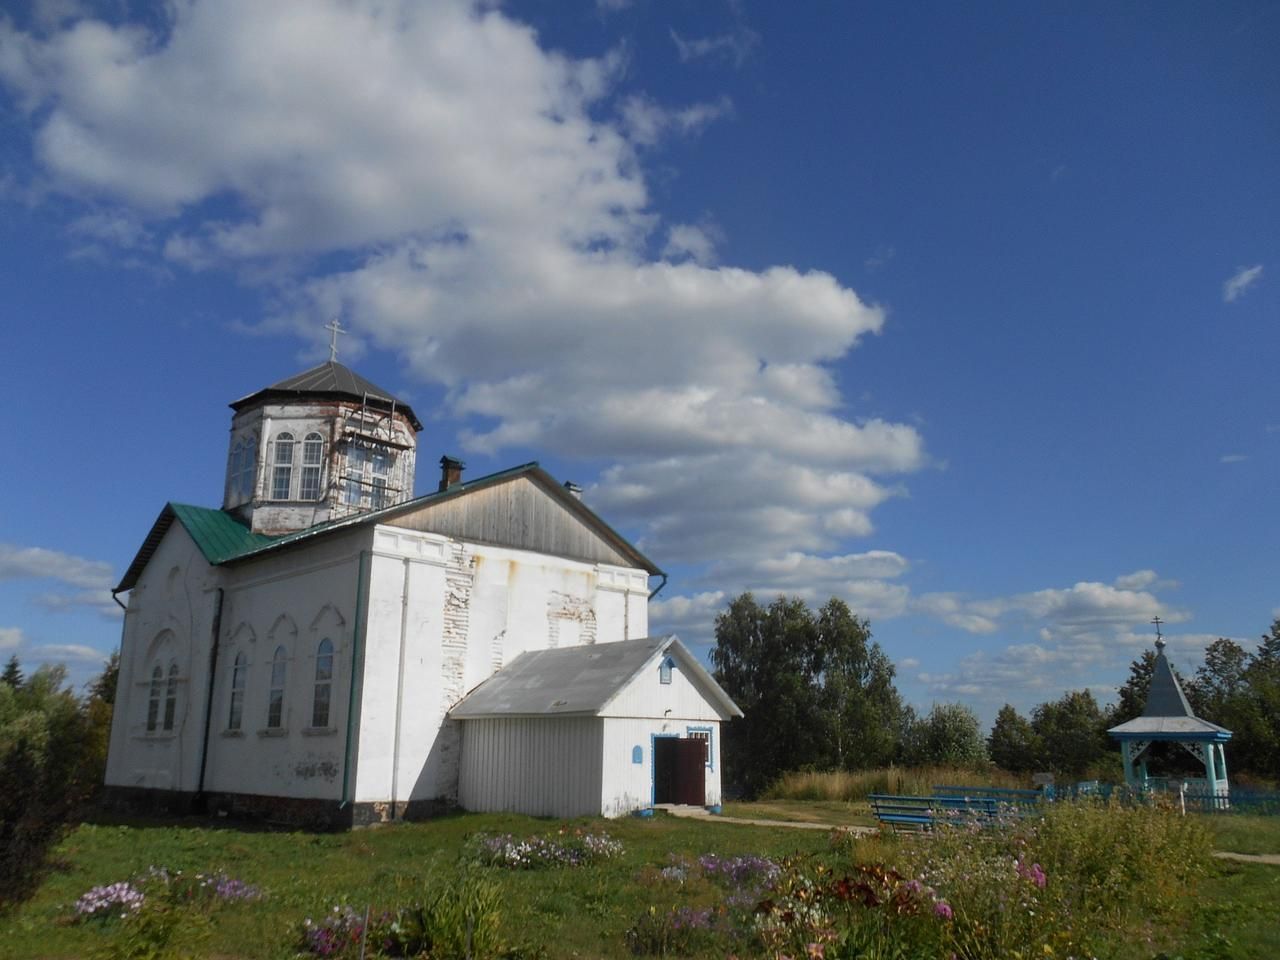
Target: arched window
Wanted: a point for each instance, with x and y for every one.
(171, 697)
(248, 467)
(324, 684)
(664, 671)
(312, 459)
(239, 673)
(275, 696)
(282, 475)
(153, 701)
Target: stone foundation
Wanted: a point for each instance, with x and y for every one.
(299, 812)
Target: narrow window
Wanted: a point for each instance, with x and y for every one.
(153, 701)
(275, 697)
(703, 734)
(312, 458)
(356, 457)
(171, 697)
(282, 476)
(664, 671)
(239, 670)
(233, 475)
(324, 684)
(248, 467)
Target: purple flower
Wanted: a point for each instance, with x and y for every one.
(942, 909)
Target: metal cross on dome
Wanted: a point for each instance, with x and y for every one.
(336, 329)
(1159, 637)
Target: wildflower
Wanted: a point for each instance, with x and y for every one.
(943, 909)
(815, 951)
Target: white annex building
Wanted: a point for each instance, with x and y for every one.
(328, 649)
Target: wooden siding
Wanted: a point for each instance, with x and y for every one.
(647, 696)
(545, 767)
(516, 514)
(628, 785)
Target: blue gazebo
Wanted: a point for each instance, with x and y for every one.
(1169, 717)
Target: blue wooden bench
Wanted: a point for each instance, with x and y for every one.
(922, 813)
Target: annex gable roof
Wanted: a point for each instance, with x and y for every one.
(566, 523)
(329, 380)
(582, 680)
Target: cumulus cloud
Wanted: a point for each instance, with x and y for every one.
(488, 201)
(692, 617)
(10, 637)
(1239, 283)
(65, 652)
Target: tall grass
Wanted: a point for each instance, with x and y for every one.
(849, 785)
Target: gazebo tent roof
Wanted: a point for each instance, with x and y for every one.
(1168, 715)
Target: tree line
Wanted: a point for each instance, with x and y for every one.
(818, 693)
(53, 756)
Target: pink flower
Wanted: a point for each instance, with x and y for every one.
(942, 909)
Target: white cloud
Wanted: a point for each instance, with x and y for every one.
(37, 563)
(697, 243)
(647, 122)
(692, 618)
(10, 637)
(495, 222)
(1233, 458)
(64, 652)
(736, 45)
(1239, 284)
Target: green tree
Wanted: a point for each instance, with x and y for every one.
(43, 737)
(1013, 744)
(949, 734)
(814, 689)
(12, 675)
(1072, 730)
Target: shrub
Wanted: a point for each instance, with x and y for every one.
(49, 767)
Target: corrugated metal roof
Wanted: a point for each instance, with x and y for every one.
(1165, 697)
(219, 535)
(328, 379)
(579, 680)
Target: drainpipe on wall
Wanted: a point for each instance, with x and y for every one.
(357, 675)
(660, 586)
(208, 704)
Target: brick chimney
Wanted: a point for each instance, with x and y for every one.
(450, 473)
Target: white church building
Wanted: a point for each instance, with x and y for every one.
(328, 649)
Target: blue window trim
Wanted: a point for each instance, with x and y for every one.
(664, 670)
(711, 743)
(653, 765)
(637, 754)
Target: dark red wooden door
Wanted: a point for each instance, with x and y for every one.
(691, 772)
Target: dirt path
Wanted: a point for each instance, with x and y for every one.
(699, 813)
(1272, 858)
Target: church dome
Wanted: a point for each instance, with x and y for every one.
(323, 444)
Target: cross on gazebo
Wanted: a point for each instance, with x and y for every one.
(336, 329)
(1159, 636)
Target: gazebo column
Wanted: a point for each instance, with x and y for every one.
(1126, 757)
(1221, 764)
(1209, 754)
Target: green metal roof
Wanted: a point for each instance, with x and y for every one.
(219, 535)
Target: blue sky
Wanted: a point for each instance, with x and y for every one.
(967, 316)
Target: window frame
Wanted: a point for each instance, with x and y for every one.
(278, 680)
(153, 698)
(171, 698)
(239, 681)
(324, 652)
(665, 669)
(311, 477)
(708, 734)
(282, 470)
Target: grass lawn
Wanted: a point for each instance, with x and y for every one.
(836, 813)
(1244, 833)
(571, 912)
(556, 912)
